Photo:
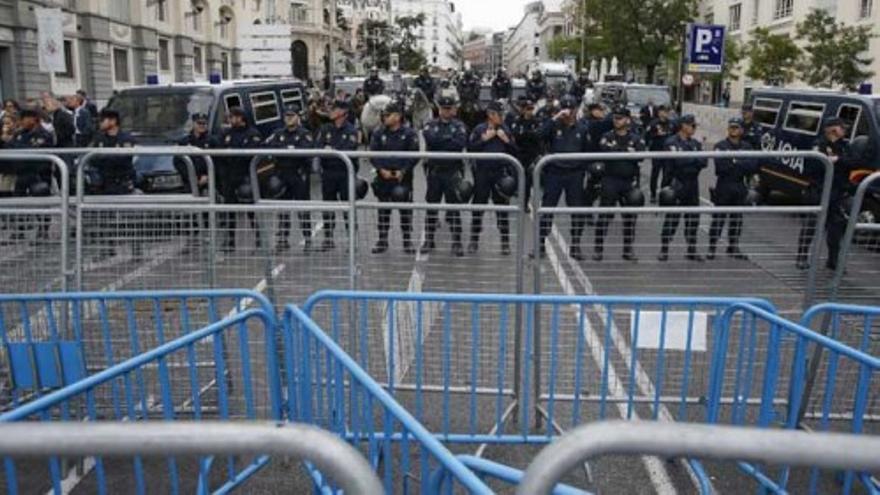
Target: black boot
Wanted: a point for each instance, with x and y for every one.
(734, 252)
(474, 245)
(407, 244)
(381, 246)
(692, 254)
(428, 245)
(629, 254)
(457, 249)
(664, 253)
(711, 254)
(328, 243)
(505, 245)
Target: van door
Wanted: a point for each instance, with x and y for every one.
(858, 120)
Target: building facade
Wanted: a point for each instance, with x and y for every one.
(526, 46)
(113, 44)
(496, 51)
(476, 53)
(356, 13)
(441, 37)
(781, 17)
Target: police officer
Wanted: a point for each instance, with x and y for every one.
(598, 124)
(835, 146)
(536, 88)
(580, 85)
(373, 85)
(444, 134)
(426, 83)
(563, 133)
(492, 136)
(620, 182)
(117, 172)
(656, 134)
(731, 189)
(233, 173)
(526, 128)
(501, 86)
(752, 131)
(32, 178)
(338, 135)
(394, 176)
(198, 137)
(684, 174)
(469, 87)
(294, 173)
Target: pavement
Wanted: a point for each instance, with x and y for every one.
(176, 256)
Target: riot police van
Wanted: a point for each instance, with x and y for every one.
(160, 115)
(792, 120)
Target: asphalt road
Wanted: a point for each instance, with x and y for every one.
(171, 260)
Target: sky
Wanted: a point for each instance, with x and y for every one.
(496, 15)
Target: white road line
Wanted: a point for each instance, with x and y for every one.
(643, 381)
(654, 466)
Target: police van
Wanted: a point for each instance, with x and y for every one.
(792, 120)
(160, 115)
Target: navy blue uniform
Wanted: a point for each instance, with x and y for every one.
(527, 133)
(427, 85)
(117, 172)
(487, 173)
(444, 176)
(469, 88)
(233, 173)
(501, 88)
(596, 128)
(578, 88)
(334, 174)
(204, 141)
(619, 180)
(656, 134)
(752, 133)
(84, 127)
(295, 173)
(731, 189)
(29, 174)
(401, 139)
(374, 86)
(684, 174)
(536, 88)
(564, 176)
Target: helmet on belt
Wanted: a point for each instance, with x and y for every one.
(506, 186)
(464, 190)
(244, 193)
(275, 188)
(860, 147)
(667, 197)
(361, 187)
(399, 194)
(753, 197)
(40, 188)
(635, 197)
(596, 168)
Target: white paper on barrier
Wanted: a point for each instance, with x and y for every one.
(676, 336)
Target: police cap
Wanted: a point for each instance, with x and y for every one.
(237, 112)
(109, 113)
(340, 105)
(199, 117)
(620, 111)
(446, 101)
(28, 112)
(594, 106)
(568, 102)
(291, 110)
(495, 106)
(831, 122)
(687, 119)
(736, 122)
(746, 108)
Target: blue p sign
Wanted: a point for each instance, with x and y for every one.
(705, 48)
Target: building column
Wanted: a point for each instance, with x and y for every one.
(183, 59)
(30, 81)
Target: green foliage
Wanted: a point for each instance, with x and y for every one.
(377, 40)
(773, 58)
(406, 46)
(373, 37)
(835, 52)
(561, 46)
(734, 54)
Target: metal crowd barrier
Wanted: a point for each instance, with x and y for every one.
(170, 381)
(861, 262)
(759, 445)
(36, 233)
(345, 467)
(771, 257)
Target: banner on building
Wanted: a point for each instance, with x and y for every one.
(50, 40)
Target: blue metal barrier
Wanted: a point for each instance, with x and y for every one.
(231, 391)
(349, 402)
(788, 343)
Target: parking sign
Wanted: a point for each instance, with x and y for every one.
(705, 48)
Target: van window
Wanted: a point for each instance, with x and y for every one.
(265, 107)
(855, 120)
(230, 101)
(766, 111)
(804, 118)
(292, 97)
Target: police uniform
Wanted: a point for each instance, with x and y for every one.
(334, 174)
(444, 176)
(404, 138)
(565, 176)
(487, 173)
(536, 88)
(684, 174)
(426, 83)
(32, 178)
(835, 224)
(731, 189)
(596, 127)
(527, 133)
(203, 141)
(501, 87)
(374, 86)
(233, 173)
(295, 173)
(117, 172)
(752, 131)
(618, 184)
(469, 88)
(579, 87)
(656, 134)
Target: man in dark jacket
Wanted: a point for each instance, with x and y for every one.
(731, 189)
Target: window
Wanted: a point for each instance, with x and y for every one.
(69, 71)
(783, 9)
(118, 10)
(766, 111)
(164, 55)
(804, 118)
(198, 60)
(120, 65)
(161, 10)
(298, 14)
(537, 51)
(224, 65)
(866, 8)
(292, 97)
(196, 20)
(265, 107)
(733, 21)
(855, 121)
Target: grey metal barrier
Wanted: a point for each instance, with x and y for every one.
(670, 440)
(36, 239)
(866, 265)
(331, 456)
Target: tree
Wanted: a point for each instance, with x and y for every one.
(640, 33)
(835, 52)
(373, 42)
(561, 46)
(733, 56)
(773, 58)
(410, 56)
